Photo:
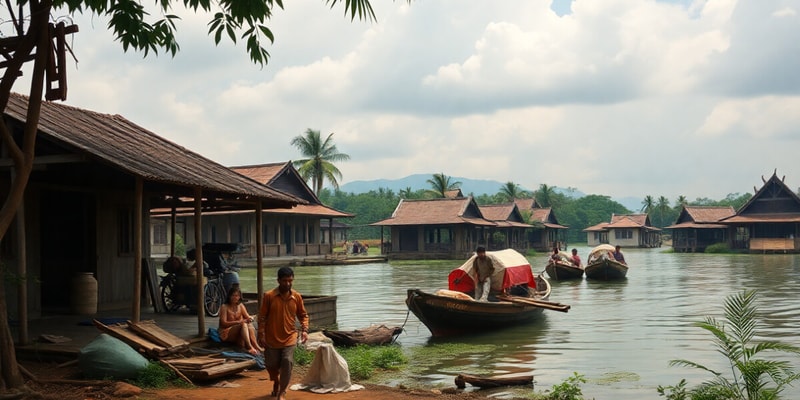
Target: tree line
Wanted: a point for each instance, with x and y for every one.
(577, 213)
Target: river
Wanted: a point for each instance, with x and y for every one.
(619, 335)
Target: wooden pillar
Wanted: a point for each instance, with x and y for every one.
(137, 252)
(259, 252)
(173, 225)
(22, 270)
(198, 246)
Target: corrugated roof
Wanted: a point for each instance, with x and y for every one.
(118, 142)
(436, 212)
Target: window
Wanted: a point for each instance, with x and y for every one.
(160, 232)
(623, 234)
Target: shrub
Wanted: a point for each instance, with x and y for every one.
(752, 378)
(718, 248)
(363, 360)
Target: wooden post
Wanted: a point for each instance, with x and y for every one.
(198, 246)
(259, 252)
(137, 252)
(22, 270)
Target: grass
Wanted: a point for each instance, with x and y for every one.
(362, 361)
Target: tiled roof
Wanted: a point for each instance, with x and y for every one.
(262, 173)
(526, 204)
(453, 194)
(771, 218)
(284, 177)
(497, 212)
(436, 212)
(708, 214)
(117, 142)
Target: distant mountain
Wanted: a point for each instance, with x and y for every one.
(476, 187)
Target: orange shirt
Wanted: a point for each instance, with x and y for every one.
(277, 316)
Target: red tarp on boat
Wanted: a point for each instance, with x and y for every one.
(511, 269)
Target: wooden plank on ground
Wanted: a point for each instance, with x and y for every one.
(121, 332)
(154, 333)
(196, 362)
(219, 371)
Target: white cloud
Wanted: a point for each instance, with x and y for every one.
(617, 97)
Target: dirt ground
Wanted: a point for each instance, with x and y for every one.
(64, 383)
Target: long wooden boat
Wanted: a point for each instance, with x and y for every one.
(373, 335)
(601, 266)
(451, 312)
(563, 270)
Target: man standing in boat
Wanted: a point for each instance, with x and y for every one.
(576, 259)
(484, 269)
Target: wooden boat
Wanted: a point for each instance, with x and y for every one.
(453, 312)
(601, 266)
(562, 269)
(374, 335)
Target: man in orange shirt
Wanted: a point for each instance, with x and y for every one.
(280, 308)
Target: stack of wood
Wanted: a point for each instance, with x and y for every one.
(208, 367)
(173, 351)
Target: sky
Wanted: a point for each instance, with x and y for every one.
(612, 97)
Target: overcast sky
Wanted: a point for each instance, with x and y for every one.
(612, 97)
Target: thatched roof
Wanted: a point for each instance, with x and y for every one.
(119, 143)
(456, 211)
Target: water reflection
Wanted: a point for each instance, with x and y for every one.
(619, 335)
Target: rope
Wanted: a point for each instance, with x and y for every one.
(403, 327)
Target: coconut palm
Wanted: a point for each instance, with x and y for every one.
(662, 205)
(545, 195)
(441, 184)
(511, 191)
(319, 166)
(648, 204)
(752, 378)
(681, 201)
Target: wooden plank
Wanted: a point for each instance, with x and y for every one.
(154, 333)
(121, 332)
(549, 305)
(218, 371)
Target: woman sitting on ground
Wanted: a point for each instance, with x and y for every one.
(236, 325)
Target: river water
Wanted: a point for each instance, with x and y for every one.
(619, 335)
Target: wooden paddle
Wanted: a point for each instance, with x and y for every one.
(538, 303)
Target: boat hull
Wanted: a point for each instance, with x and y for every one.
(446, 316)
(606, 270)
(562, 272)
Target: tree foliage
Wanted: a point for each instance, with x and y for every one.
(321, 155)
(441, 184)
(749, 377)
(29, 37)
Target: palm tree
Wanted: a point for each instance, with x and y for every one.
(648, 204)
(406, 193)
(752, 378)
(321, 155)
(663, 205)
(681, 201)
(544, 196)
(511, 191)
(441, 184)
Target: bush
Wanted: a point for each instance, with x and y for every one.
(156, 376)
(751, 378)
(718, 248)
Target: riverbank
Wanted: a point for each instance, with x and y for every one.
(63, 383)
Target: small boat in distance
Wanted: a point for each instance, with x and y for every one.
(602, 266)
(562, 269)
(453, 311)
